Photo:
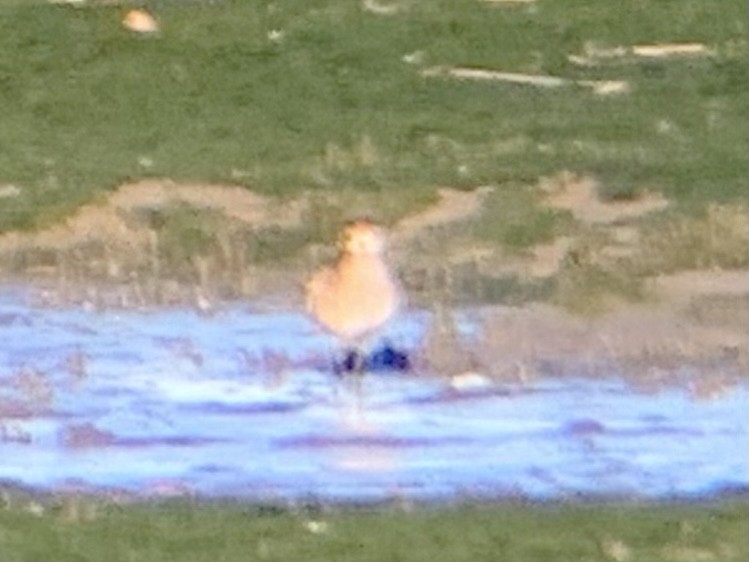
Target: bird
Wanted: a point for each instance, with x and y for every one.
(358, 294)
(140, 21)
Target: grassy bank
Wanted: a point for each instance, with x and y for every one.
(195, 532)
(297, 95)
(333, 106)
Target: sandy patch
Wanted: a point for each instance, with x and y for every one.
(688, 285)
(547, 258)
(107, 254)
(579, 195)
(539, 334)
(111, 221)
(538, 262)
(235, 202)
(112, 253)
(89, 223)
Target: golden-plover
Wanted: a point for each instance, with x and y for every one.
(358, 294)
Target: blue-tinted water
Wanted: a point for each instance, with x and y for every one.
(243, 404)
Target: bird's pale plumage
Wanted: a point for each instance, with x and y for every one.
(358, 294)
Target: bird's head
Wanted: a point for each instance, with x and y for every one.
(362, 237)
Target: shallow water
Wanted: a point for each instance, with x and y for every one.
(243, 403)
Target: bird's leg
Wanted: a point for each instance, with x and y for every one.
(354, 362)
(352, 370)
(357, 381)
(359, 366)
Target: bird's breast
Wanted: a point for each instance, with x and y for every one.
(358, 296)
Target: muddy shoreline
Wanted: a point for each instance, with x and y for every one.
(242, 401)
(698, 338)
(572, 306)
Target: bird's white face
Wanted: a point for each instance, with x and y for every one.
(363, 238)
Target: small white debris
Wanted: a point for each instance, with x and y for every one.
(417, 57)
(665, 127)
(593, 54)
(203, 304)
(580, 60)
(9, 190)
(616, 550)
(669, 50)
(145, 162)
(606, 87)
(375, 7)
(239, 174)
(466, 73)
(35, 508)
(275, 35)
(316, 527)
(600, 87)
(469, 380)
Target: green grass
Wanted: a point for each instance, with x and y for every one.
(516, 219)
(332, 105)
(85, 106)
(189, 531)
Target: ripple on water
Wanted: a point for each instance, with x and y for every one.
(240, 403)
